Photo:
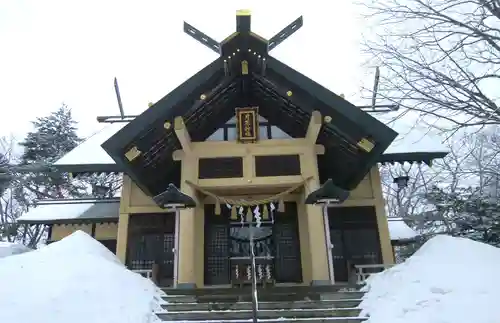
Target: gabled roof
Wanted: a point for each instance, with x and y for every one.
(72, 212)
(414, 141)
(285, 97)
(413, 144)
(89, 156)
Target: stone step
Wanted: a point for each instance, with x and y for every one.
(262, 305)
(300, 320)
(262, 314)
(267, 290)
(262, 297)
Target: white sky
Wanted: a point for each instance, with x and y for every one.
(70, 51)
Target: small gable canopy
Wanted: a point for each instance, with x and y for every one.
(414, 143)
(399, 231)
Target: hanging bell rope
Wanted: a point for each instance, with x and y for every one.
(243, 202)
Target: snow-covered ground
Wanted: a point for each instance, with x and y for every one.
(449, 280)
(74, 280)
(9, 249)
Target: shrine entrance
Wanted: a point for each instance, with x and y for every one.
(151, 241)
(276, 248)
(355, 239)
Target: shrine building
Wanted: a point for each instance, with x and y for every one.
(248, 139)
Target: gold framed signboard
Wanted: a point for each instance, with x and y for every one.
(247, 122)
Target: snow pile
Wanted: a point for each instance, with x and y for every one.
(449, 280)
(74, 280)
(9, 249)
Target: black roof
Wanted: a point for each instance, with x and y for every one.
(285, 98)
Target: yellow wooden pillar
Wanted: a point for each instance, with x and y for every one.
(319, 271)
(122, 237)
(383, 225)
(305, 253)
(187, 227)
(123, 220)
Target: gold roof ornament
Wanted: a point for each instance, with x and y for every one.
(366, 144)
(132, 153)
(243, 12)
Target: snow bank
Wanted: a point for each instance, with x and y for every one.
(449, 280)
(74, 280)
(9, 249)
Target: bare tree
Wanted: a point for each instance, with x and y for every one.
(407, 201)
(440, 57)
(464, 200)
(10, 208)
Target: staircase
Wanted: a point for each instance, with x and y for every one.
(297, 304)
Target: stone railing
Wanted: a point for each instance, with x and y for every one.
(364, 271)
(147, 273)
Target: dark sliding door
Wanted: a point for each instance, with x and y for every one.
(355, 238)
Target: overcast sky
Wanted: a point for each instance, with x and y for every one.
(70, 51)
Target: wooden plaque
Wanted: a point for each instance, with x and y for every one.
(247, 122)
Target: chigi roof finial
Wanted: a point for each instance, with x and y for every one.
(243, 37)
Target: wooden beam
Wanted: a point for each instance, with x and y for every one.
(314, 127)
(182, 134)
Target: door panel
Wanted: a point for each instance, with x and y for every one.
(216, 247)
(287, 262)
(355, 239)
(151, 240)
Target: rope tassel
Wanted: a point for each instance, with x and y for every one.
(249, 215)
(234, 213)
(281, 206)
(265, 212)
(217, 208)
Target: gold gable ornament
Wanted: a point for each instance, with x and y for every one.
(366, 144)
(132, 153)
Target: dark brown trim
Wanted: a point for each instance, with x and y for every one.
(49, 232)
(92, 233)
(221, 167)
(277, 165)
(424, 157)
